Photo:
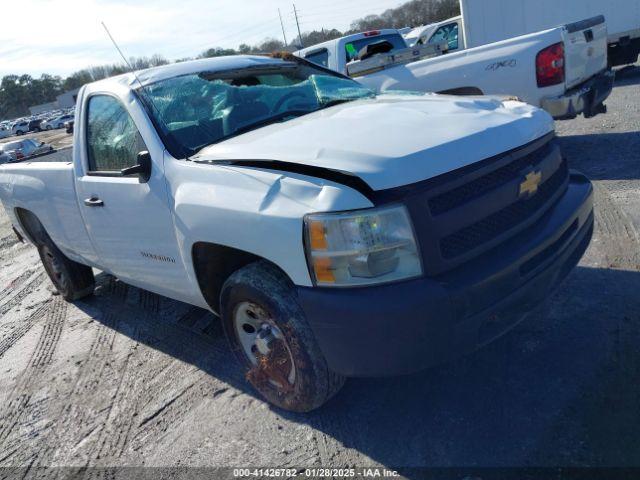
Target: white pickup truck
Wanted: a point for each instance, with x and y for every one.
(563, 70)
(333, 233)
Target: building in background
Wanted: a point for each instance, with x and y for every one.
(68, 99)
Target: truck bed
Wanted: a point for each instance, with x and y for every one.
(507, 67)
(47, 189)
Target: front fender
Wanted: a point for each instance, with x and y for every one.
(251, 209)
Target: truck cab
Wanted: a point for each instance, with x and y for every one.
(450, 31)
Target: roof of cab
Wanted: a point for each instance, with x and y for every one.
(216, 64)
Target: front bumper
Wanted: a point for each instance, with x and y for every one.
(586, 98)
(405, 327)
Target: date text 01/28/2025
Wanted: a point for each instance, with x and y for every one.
(315, 472)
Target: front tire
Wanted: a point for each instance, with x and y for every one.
(72, 280)
(269, 334)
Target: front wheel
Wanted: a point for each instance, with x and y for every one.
(269, 334)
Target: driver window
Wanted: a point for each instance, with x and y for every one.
(113, 141)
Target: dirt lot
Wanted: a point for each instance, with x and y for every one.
(129, 378)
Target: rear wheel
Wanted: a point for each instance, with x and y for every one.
(72, 280)
(269, 334)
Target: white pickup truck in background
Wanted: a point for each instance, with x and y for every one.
(333, 236)
(562, 69)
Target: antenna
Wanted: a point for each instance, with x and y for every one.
(295, 12)
(133, 72)
(122, 54)
(283, 32)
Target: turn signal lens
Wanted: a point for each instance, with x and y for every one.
(363, 247)
(317, 236)
(323, 270)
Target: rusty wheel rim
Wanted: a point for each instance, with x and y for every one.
(264, 345)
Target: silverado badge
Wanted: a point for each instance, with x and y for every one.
(529, 186)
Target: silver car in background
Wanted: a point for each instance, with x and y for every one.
(22, 149)
(58, 122)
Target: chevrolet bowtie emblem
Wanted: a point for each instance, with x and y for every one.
(530, 185)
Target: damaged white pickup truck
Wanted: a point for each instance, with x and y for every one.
(337, 232)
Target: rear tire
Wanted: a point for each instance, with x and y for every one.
(285, 364)
(72, 280)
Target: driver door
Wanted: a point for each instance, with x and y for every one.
(128, 219)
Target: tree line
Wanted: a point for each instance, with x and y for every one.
(19, 92)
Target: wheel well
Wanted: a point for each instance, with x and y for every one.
(214, 264)
(31, 225)
(462, 91)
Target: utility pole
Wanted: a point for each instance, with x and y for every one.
(282, 25)
(295, 12)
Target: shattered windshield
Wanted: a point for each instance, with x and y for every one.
(193, 111)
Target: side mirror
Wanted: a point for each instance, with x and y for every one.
(142, 169)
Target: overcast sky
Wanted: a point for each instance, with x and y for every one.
(62, 36)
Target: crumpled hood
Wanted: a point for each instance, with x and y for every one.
(393, 140)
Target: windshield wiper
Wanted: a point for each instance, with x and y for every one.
(268, 121)
(333, 103)
(260, 123)
(340, 101)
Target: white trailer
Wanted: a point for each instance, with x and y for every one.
(488, 21)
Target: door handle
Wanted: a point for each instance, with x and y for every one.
(94, 202)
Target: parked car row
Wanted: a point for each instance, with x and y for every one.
(50, 121)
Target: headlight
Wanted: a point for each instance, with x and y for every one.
(362, 247)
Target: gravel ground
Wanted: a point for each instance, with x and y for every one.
(129, 378)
